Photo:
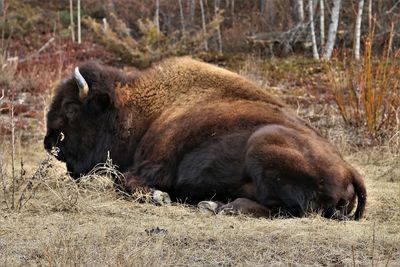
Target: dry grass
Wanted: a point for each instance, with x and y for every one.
(67, 224)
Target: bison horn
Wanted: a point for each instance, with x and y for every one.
(82, 84)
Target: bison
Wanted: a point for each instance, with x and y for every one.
(200, 133)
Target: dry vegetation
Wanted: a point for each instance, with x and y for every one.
(92, 225)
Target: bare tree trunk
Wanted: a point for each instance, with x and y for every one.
(300, 10)
(105, 25)
(370, 15)
(333, 26)
(322, 22)
(182, 17)
(357, 30)
(192, 11)
(1, 5)
(262, 6)
(203, 20)
(233, 7)
(314, 41)
(219, 37)
(157, 16)
(79, 21)
(271, 15)
(71, 17)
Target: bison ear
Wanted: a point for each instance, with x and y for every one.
(100, 102)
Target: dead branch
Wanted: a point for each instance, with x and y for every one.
(286, 38)
(36, 53)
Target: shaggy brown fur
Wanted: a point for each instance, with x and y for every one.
(199, 132)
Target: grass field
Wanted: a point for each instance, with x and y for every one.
(91, 225)
(64, 224)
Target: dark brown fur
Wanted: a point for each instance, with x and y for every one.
(200, 132)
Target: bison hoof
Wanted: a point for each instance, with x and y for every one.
(161, 198)
(208, 207)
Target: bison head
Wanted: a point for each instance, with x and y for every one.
(82, 117)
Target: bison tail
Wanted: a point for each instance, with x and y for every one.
(361, 193)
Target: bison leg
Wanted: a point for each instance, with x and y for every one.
(135, 186)
(161, 198)
(298, 173)
(209, 207)
(239, 205)
(344, 207)
(246, 206)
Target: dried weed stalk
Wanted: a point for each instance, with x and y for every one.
(367, 93)
(103, 177)
(31, 185)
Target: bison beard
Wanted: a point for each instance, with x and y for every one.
(199, 132)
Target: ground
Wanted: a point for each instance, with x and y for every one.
(92, 225)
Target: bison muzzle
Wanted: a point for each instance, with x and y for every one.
(199, 132)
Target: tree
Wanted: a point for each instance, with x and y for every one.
(333, 26)
(262, 6)
(322, 21)
(192, 10)
(370, 14)
(203, 21)
(79, 21)
(300, 10)
(219, 37)
(182, 17)
(157, 16)
(357, 30)
(71, 17)
(314, 41)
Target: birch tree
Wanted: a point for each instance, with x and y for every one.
(370, 13)
(262, 6)
(357, 30)
(219, 37)
(71, 18)
(79, 21)
(203, 22)
(182, 16)
(322, 22)
(314, 41)
(192, 11)
(300, 10)
(157, 16)
(333, 26)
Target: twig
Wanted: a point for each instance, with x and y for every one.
(2, 94)
(393, 7)
(3, 182)
(36, 53)
(13, 155)
(39, 174)
(354, 259)
(390, 256)
(373, 245)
